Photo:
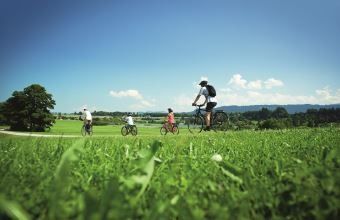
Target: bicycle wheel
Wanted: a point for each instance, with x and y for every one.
(83, 131)
(163, 131)
(124, 131)
(134, 130)
(195, 124)
(175, 129)
(90, 131)
(220, 122)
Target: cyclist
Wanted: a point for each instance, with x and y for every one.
(211, 103)
(129, 120)
(171, 118)
(87, 118)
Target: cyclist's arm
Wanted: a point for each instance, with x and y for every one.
(197, 98)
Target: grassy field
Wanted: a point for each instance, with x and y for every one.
(72, 127)
(290, 174)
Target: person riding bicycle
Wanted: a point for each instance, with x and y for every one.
(129, 120)
(87, 117)
(171, 118)
(210, 100)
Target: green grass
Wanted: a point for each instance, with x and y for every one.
(72, 127)
(289, 174)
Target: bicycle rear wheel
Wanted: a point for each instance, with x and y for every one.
(134, 130)
(175, 129)
(220, 122)
(195, 124)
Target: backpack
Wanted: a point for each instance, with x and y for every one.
(211, 90)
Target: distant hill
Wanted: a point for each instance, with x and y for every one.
(291, 109)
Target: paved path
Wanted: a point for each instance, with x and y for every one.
(35, 134)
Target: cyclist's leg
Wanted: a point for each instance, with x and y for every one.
(173, 125)
(208, 114)
(88, 124)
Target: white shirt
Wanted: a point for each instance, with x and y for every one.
(204, 91)
(129, 120)
(87, 115)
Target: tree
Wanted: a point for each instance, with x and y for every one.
(2, 117)
(280, 112)
(29, 109)
(264, 114)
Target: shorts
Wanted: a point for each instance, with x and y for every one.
(210, 106)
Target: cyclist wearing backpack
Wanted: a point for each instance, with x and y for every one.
(87, 117)
(129, 120)
(209, 92)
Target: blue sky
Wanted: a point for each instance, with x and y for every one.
(135, 55)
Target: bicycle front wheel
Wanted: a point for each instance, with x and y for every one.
(195, 124)
(220, 122)
(90, 131)
(124, 131)
(163, 131)
(83, 131)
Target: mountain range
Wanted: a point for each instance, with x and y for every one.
(291, 109)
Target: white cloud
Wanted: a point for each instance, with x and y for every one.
(235, 97)
(257, 84)
(326, 96)
(270, 83)
(142, 103)
(238, 82)
(128, 93)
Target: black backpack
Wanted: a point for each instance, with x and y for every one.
(211, 90)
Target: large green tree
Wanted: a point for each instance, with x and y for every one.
(29, 109)
(280, 112)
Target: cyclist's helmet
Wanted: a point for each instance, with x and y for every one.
(203, 83)
(170, 110)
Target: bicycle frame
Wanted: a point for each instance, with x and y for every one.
(167, 125)
(218, 120)
(169, 128)
(198, 111)
(130, 129)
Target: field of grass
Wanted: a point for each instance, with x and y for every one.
(72, 127)
(290, 174)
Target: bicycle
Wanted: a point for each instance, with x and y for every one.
(167, 128)
(129, 129)
(219, 122)
(87, 129)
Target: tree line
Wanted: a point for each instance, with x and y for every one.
(280, 118)
(30, 110)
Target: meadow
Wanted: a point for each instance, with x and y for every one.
(73, 127)
(286, 174)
